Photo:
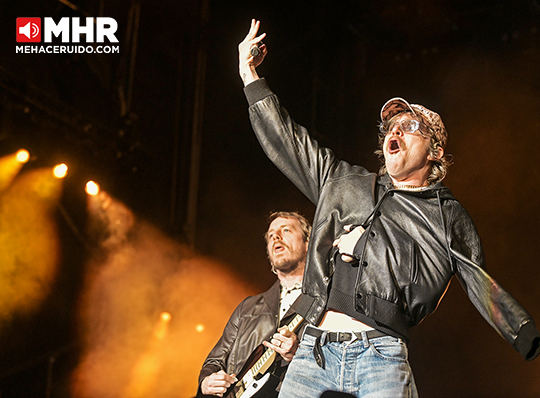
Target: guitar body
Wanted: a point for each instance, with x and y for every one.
(261, 388)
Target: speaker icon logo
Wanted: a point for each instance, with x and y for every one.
(28, 30)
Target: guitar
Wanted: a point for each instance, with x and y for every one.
(257, 378)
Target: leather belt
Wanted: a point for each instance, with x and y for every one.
(341, 337)
(323, 336)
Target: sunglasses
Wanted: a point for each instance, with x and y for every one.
(406, 126)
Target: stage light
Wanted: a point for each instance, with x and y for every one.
(22, 156)
(30, 255)
(199, 328)
(162, 326)
(60, 170)
(11, 165)
(165, 317)
(92, 188)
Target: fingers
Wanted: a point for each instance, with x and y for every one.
(284, 331)
(262, 47)
(254, 28)
(346, 258)
(352, 227)
(277, 341)
(217, 383)
(252, 34)
(347, 242)
(284, 343)
(348, 228)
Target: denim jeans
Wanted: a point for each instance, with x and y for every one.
(378, 368)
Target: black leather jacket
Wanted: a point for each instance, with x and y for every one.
(414, 241)
(255, 320)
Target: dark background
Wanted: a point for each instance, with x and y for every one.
(135, 122)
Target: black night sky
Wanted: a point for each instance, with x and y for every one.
(163, 126)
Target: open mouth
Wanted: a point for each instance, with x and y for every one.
(393, 146)
(279, 248)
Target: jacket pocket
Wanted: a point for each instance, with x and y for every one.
(414, 262)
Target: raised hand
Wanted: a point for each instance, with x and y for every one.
(247, 63)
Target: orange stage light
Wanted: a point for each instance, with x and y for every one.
(92, 188)
(60, 170)
(165, 317)
(22, 156)
(11, 165)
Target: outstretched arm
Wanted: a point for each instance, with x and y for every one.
(247, 63)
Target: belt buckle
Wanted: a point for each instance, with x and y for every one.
(311, 331)
(352, 337)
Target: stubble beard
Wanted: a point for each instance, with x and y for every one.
(285, 265)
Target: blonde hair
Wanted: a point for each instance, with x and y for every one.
(305, 226)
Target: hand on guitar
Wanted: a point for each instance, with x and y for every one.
(217, 383)
(284, 343)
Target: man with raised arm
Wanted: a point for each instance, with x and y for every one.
(384, 246)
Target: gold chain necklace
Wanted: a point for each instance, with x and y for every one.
(407, 187)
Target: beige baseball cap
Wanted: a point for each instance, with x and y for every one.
(397, 105)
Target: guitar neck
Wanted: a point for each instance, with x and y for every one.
(262, 364)
(296, 321)
(269, 355)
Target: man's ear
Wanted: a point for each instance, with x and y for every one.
(440, 154)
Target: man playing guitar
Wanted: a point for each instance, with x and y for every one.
(256, 319)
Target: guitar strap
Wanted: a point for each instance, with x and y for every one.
(291, 313)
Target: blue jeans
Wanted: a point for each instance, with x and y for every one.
(378, 368)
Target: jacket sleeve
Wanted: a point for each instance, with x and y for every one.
(495, 304)
(217, 358)
(287, 144)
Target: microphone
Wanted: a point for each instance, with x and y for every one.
(256, 49)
